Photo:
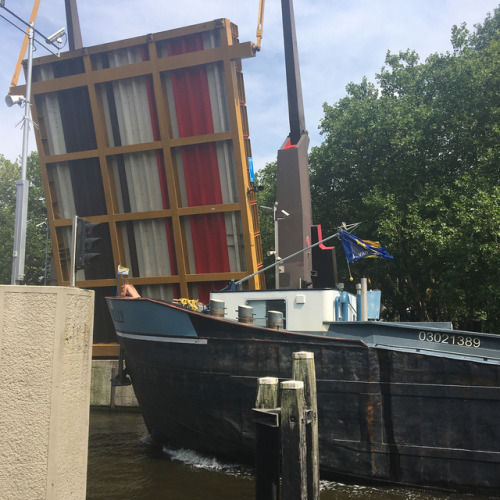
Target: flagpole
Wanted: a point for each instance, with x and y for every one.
(239, 282)
(121, 271)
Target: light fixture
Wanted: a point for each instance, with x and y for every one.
(255, 189)
(56, 36)
(10, 100)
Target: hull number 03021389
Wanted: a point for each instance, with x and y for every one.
(448, 338)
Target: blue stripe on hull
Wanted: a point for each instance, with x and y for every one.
(144, 316)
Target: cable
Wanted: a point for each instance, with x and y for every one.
(32, 27)
(15, 25)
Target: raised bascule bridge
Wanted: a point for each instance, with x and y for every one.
(148, 138)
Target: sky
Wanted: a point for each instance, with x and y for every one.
(339, 41)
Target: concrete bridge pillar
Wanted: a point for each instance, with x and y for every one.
(45, 367)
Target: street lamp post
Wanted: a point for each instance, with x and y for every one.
(276, 246)
(22, 185)
(277, 257)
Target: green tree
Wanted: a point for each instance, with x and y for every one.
(416, 156)
(8, 174)
(34, 268)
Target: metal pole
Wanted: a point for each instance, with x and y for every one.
(276, 248)
(291, 256)
(22, 192)
(46, 253)
(364, 299)
(72, 261)
(246, 278)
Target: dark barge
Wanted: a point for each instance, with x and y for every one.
(412, 404)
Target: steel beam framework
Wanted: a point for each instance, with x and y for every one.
(150, 137)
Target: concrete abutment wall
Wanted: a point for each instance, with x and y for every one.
(45, 370)
(102, 393)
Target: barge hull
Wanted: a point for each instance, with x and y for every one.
(384, 415)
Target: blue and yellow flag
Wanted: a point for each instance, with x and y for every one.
(123, 270)
(355, 248)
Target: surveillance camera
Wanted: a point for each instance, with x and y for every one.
(256, 189)
(58, 34)
(285, 213)
(10, 100)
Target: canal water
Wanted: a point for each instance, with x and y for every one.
(122, 466)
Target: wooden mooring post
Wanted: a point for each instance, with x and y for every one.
(267, 465)
(303, 368)
(287, 436)
(293, 440)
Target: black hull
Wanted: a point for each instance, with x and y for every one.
(384, 415)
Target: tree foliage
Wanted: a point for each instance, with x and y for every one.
(417, 156)
(34, 269)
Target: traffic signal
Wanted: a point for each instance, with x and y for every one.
(87, 244)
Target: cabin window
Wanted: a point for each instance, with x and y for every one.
(262, 307)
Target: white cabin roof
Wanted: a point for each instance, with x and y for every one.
(305, 310)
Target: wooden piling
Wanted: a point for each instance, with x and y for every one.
(303, 369)
(293, 440)
(267, 393)
(297, 419)
(267, 464)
